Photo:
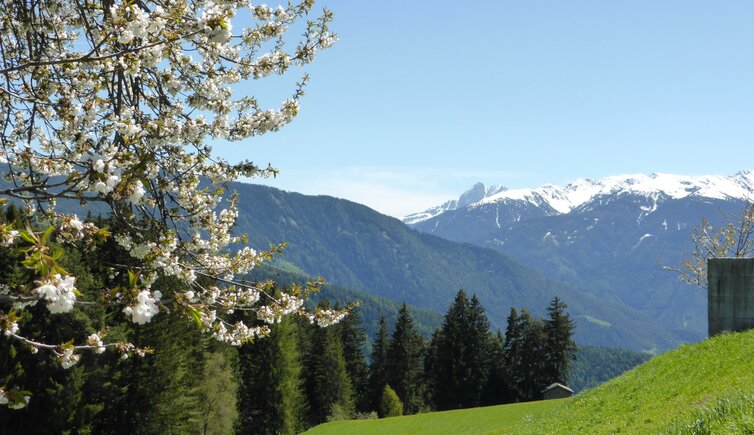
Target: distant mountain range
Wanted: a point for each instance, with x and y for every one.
(607, 237)
(511, 251)
(551, 199)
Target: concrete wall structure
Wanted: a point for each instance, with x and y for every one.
(730, 295)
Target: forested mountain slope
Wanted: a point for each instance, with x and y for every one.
(351, 245)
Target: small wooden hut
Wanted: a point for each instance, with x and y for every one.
(556, 391)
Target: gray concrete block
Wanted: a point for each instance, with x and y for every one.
(730, 296)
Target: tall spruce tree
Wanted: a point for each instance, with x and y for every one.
(459, 355)
(478, 351)
(512, 349)
(329, 384)
(218, 391)
(354, 337)
(448, 370)
(270, 396)
(308, 333)
(534, 354)
(168, 380)
(289, 368)
(497, 390)
(561, 349)
(525, 345)
(378, 368)
(405, 362)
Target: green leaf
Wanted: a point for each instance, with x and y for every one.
(102, 234)
(26, 236)
(195, 315)
(47, 234)
(132, 279)
(67, 344)
(31, 263)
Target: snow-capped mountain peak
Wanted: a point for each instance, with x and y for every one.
(474, 195)
(563, 199)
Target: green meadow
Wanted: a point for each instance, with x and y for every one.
(491, 419)
(706, 387)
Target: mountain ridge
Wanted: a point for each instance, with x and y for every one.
(354, 246)
(555, 199)
(611, 240)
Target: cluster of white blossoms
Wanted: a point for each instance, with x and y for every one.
(59, 292)
(286, 305)
(326, 317)
(68, 358)
(19, 402)
(95, 342)
(115, 107)
(145, 307)
(136, 23)
(232, 298)
(12, 329)
(72, 229)
(238, 333)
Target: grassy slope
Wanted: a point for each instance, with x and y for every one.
(668, 392)
(648, 398)
(463, 421)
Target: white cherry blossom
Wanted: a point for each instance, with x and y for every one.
(59, 292)
(119, 108)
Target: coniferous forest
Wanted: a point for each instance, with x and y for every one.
(298, 377)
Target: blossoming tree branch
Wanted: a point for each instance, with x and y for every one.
(117, 103)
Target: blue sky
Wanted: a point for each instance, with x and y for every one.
(419, 100)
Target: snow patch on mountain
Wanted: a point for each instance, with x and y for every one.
(641, 239)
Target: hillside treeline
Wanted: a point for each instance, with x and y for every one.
(303, 375)
(300, 376)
